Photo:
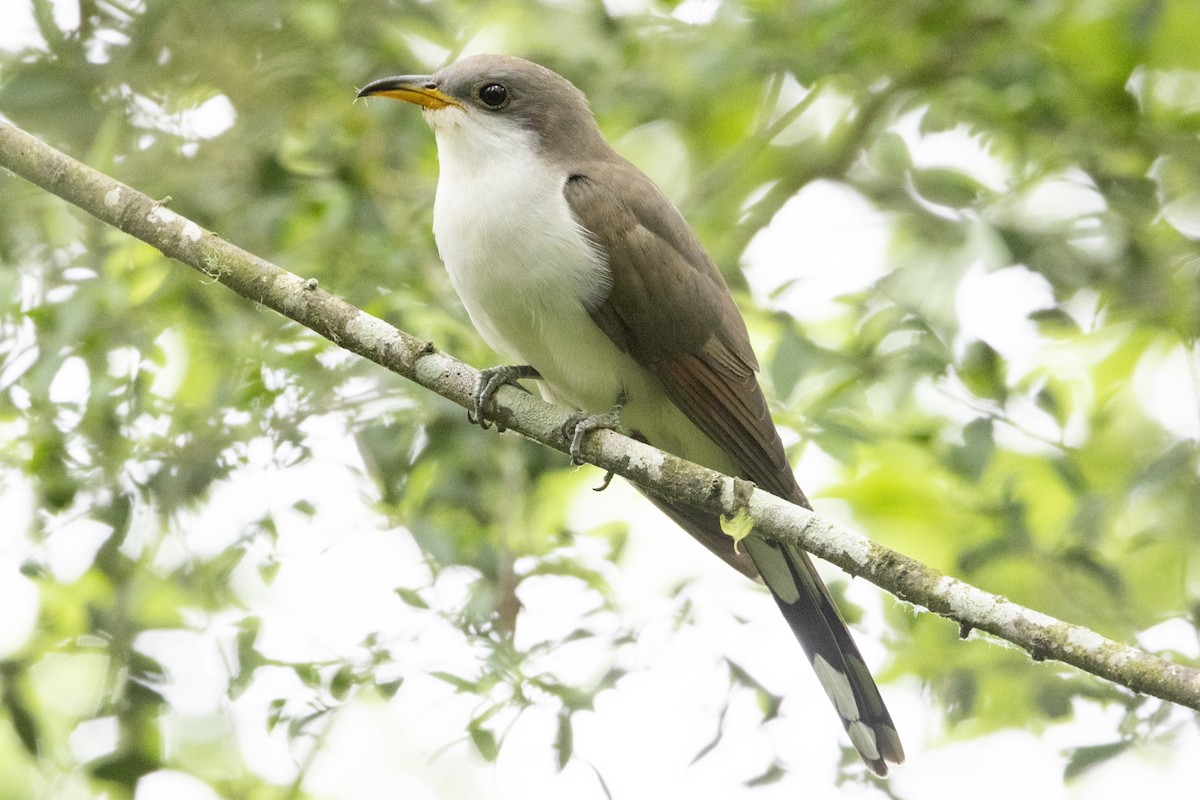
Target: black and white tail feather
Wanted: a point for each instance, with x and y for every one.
(813, 617)
(809, 609)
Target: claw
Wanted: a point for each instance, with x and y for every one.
(490, 380)
(580, 425)
(608, 476)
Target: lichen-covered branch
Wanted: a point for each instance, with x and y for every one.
(256, 279)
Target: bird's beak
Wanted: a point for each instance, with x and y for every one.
(419, 89)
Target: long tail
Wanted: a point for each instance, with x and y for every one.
(810, 611)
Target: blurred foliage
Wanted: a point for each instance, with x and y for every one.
(131, 392)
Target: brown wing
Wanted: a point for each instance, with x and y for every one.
(671, 311)
(679, 322)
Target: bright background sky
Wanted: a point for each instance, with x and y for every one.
(339, 569)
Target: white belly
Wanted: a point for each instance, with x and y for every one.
(524, 270)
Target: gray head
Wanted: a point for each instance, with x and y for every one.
(504, 91)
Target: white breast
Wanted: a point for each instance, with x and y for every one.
(525, 270)
(505, 232)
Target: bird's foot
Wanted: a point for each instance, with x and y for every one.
(608, 476)
(490, 380)
(580, 425)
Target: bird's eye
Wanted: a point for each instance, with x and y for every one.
(493, 95)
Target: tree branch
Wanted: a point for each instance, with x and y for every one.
(263, 282)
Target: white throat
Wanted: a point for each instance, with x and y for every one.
(516, 255)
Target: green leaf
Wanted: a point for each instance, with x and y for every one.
(411, 597)
(123, 768)
(269, 569)
(947, 187)
(275, 713)
(484, 741)
(737, 527)
(23, 720)
(305, 507)
(771, 774)
(769, 703)
(460, 684)
(788, 363)
(1048, 400)
(573, 698)
(1055, 322)
(224, 564)
(983, 371)
(889, 154)
(343, 680)
(1083, 759)
(978, 445)
(248, 656)
(308, 675)
(564, 740)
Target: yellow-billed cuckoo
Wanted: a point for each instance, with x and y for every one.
(573, 263)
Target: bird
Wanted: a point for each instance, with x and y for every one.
(573, 263)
